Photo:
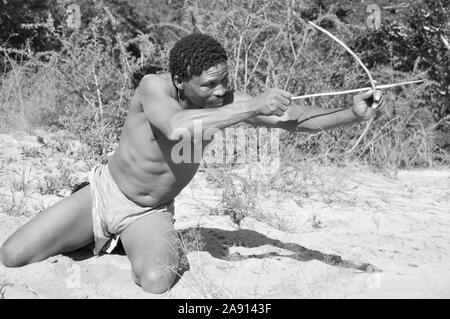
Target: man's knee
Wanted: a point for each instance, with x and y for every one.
(9, 256)
(156, 280)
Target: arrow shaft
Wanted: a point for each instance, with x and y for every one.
(384, 86)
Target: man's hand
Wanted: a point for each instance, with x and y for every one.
(366, 104)
(272, 102)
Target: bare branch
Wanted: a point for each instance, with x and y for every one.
(445, 41)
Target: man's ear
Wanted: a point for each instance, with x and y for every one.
(178, 82)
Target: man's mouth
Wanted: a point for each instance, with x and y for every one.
(218, 102)
(213, 103)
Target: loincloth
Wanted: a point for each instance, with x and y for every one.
(112, 211)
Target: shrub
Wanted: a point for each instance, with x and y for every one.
(83, 80)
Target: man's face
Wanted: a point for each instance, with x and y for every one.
(208, 90)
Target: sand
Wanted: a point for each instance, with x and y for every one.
(317, 232)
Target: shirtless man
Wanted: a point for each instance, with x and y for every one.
(132, 196)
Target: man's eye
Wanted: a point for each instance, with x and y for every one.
(214, 84)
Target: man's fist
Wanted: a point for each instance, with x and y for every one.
(367, 103)
(273, 102)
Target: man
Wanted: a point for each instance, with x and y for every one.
(132, 196)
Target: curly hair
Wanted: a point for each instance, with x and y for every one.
(193, 54)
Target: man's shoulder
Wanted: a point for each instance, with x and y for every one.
(157, 83)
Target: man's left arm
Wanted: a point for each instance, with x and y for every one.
(305, 118)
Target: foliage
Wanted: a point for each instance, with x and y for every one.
(83, 80)
(415, 39)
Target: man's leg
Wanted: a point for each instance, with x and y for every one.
(151, 245)
(64, 227)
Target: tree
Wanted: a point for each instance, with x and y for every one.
(415, 38)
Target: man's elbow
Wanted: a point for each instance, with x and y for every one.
(303, 128)
(290, 126)
(175, 131)
(174, 134)
(309, 129)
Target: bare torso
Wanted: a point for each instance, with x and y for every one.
(142, 166)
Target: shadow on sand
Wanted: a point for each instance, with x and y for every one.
(217, 242)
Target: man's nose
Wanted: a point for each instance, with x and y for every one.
(220, 90)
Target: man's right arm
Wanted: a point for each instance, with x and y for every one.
(169, 117)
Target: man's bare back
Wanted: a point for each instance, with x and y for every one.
(142, 165)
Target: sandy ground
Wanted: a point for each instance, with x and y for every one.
(318, 232)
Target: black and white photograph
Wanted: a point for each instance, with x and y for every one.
(224, 149)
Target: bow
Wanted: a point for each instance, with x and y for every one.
(372, 83)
